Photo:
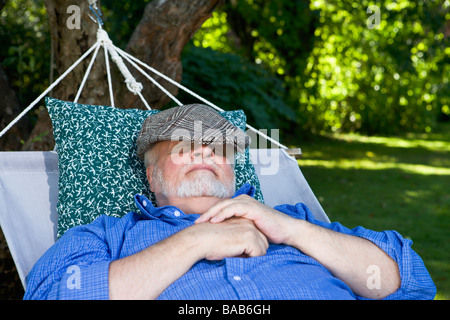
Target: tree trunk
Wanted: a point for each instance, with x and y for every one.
(158, 40)
(9, 110)
(68, 44)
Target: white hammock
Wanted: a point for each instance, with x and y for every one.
(29, 180)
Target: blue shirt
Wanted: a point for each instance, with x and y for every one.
(76, 266)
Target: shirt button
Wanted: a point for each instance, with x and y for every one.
(144, 203)
(237, 278)
(177, 213)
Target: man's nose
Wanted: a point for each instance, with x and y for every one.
(202, 152)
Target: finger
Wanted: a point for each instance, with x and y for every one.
(261, 246)
(206, 216)
(264, 239)
(214, 210)
(222, 204)
(224, 214)
(232, 210)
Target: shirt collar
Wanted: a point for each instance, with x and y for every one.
(150, 211)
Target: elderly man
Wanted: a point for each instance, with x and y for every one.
(205, 240)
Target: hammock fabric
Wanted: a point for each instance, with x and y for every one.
(29, 180)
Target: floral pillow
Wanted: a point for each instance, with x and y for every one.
(99, 170)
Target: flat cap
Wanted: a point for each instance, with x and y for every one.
(195, 122)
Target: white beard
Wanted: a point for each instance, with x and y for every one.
(201, 185)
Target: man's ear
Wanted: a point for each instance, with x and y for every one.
(149, 173)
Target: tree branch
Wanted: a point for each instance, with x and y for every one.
(159, 39)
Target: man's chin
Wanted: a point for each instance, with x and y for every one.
(195, 188)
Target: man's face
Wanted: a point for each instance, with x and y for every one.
(190, 170)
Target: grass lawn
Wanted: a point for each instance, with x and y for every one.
(385, 183)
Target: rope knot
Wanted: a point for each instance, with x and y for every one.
(103, 37)
(134, 86)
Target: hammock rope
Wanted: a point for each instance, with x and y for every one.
(86, 74)
(195, 95)
(43, 94)
(117, 55)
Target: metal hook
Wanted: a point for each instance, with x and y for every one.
(97, 14)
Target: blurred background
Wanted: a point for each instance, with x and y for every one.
(362, 87)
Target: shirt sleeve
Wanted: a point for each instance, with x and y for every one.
(416, 282)
(75, 267)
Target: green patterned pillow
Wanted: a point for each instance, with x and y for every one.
(99, 171)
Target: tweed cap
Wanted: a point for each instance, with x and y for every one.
(195, 122)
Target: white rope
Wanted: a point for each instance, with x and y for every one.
(130, 57)
(108, 73)
(149, 77)
(125, 54)
(54, 84)
(144, 101)
(88, 70)
(131, 83)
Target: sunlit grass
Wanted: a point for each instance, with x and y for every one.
(414, 142)
(374, 165)
(440, 296)
(387, 183)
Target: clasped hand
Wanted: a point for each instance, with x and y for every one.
(242, 227)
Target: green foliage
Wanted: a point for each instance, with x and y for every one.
(313, 63)
(121, 18)
(233, 83)
(340, 74)
(25, 49)
(389, 79)
(282, 32)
